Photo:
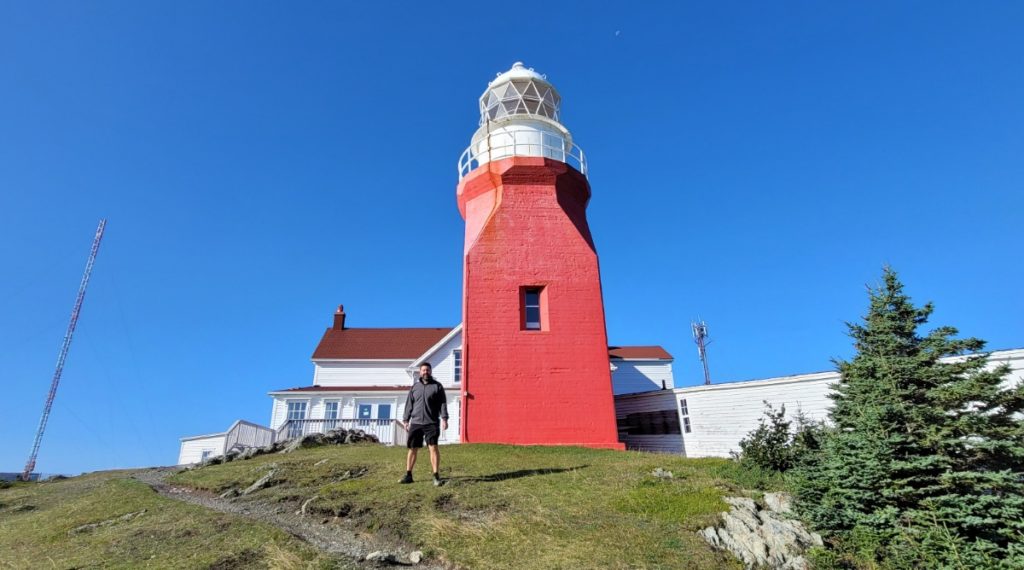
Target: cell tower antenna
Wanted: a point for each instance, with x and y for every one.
(700, 335)
(63, 354)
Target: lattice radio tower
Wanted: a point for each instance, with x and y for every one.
(700, 335)
(63, 354)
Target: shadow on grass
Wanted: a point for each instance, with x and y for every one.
(494, 477)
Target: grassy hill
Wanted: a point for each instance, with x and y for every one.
(41, 526)
(502, 507)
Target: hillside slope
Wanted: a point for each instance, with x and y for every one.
(501, 507)
(108, 520)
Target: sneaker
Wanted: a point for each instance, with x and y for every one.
(407, 479)
(438, 482)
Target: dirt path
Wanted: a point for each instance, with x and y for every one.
(346, 544)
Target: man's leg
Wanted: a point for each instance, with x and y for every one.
(435, 458)
(415, 441)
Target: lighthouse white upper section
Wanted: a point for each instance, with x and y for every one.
(519, 116)
(519, 91)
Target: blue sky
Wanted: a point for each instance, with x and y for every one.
(260, 162)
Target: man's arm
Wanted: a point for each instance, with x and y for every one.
(444, 406)
(408, 408)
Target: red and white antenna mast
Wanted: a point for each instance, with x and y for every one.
(62, 356)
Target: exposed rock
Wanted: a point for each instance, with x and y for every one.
(305, 505)
(333, 437)
(230, 493)
(93, 526)
(415, 557)
(261, 483)
(781, 503)
(381, 557)
(761, 537)
(661, 473)
(321, 462)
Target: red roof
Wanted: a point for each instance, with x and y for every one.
(639, 352)
(378, 344)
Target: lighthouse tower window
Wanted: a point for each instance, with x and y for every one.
(531, 308)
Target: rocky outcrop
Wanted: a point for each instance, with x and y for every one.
(93, 526)
(333, 437)
(261, 483)
(762, 538)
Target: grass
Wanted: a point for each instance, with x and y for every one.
(506, 506)
(37, 522)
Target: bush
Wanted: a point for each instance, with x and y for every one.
(776, 445)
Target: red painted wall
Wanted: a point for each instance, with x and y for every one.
(526, 225)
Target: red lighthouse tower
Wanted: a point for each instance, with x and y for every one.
(534, 339)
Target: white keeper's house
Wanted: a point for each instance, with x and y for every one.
(361, 377)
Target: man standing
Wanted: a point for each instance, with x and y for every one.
(425, 405)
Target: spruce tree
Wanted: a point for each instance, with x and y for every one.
(925, 460)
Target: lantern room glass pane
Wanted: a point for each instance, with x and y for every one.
(520, 97)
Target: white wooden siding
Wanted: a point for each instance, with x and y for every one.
(361, 373)
(192, 448)
(723, 414)
(633, 376)
(442, 362)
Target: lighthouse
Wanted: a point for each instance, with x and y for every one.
(535, 347)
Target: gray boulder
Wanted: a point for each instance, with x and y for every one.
(781, 503)
(762, 538)
(661, 473)
(261, 483)
(381, 557)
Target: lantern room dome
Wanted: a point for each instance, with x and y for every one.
(519, 91)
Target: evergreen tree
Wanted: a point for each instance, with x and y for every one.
(925, 461)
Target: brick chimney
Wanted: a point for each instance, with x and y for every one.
(339, 318)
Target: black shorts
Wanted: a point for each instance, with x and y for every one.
(417, 434)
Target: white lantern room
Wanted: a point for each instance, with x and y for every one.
(519, 116)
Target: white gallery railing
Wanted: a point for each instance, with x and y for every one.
(505, 144)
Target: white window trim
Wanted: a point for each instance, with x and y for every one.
(457, 365)
(305, 410)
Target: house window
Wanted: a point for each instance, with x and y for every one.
(206, 455)
(532, 298)
(383, 411)
(365, 414)
(331, 411)
(457, 355)
(684, 411)
(295, 417)
(331, 415)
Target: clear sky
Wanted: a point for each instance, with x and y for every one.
(755, 164)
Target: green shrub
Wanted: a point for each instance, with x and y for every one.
(779, 445)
